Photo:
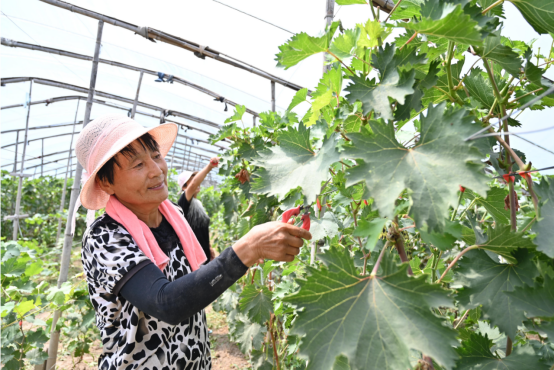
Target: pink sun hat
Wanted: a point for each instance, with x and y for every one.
(102, 139)
(184, 177)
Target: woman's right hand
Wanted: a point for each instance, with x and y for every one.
(214, 162)
(273, 240)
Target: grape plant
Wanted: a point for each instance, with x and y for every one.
(433, 239)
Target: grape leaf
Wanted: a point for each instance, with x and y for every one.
(503, 55)
(375, 96)
(250, 335)
(543, 228)
(344, 45)
(446, 239)
(293, 163)
(373, 321)
(256, 303)
(539, 14)
(328, 225)
(237, 116)
(537, 301)
(301, 46)
(443, 19)
(407, 9)
(494, 204)
(370, 230)
(501, 240)
(388, 168)
(476, 355)
(479, 88)
(370, 32)
(298, 98)
(486, 283)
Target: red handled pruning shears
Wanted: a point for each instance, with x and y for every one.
(295, 212)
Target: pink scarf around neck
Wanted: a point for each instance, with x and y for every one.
(142, 235)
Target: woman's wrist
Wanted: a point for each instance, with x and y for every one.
(245, 252)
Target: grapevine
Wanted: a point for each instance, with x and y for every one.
(429, 251)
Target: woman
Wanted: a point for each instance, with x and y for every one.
(195, 214)
(142, 262)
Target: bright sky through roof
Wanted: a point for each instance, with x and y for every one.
(205, 22)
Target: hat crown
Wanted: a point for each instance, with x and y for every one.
(96, 139)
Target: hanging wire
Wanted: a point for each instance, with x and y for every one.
(250, 15)
(532, 143)
(59, 61)
(513, 133)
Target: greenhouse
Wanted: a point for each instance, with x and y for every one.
(330, 185)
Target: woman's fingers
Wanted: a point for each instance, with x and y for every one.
(298, 231)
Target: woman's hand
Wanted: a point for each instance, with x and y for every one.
(214, 162)
(273, 240)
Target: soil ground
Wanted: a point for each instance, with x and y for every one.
(225, 354)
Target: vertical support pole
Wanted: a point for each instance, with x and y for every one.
(41, 158)
(173, 154)
(188, 157)
(20, 183)
(64, 190)
(137, 96)
(68, 240)
(184, 152)
(273, 96)
(254, 121)
(329, 14)
(15, 155)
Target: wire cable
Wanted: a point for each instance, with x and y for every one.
(59, 61)
(250, 15)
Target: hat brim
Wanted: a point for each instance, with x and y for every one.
(92, 196)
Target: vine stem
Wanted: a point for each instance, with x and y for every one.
(273, 342)
(456, 260)
(379, 259)
(340, 60)
(468, 207)
(399, 244)
(457, 206)
(492, 6)
(411, 38)
(462, 319)
(501, 104)
(392, 11)
(521, 166)
(448, 63)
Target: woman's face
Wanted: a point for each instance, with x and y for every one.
(140, 181)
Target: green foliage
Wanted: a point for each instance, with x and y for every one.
(383, 150)
(374, 320)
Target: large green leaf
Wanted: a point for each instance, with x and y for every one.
(501, 240)
(494, 204)
(544, 228)
(256, 303)
(328, 225)
(375, 96)
(293, 164)
(479, 88)
(537, 301)
(249, 335)
(443, 19)
(539, 14)
(301, 46)
(374, 321)
(388, 168)
(503, 55)
(476, 355)
(486, 283)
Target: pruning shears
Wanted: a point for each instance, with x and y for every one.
(293, 212)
